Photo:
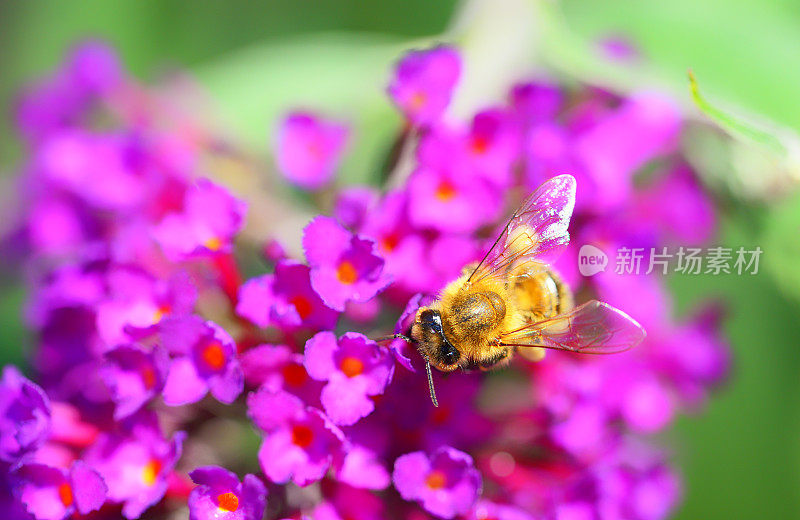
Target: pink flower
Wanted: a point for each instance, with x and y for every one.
(309, 149)
(301, 443)
(355, 368)
(205, 360)
(220, 496)
(446, 483)
(423, 83)
(285, 299)
(50, 493)
(210, 218)
(447, 200)
(344, 266)
(136, 462)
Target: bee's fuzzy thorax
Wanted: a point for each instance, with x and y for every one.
(470, 340)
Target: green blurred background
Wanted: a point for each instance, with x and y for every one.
(741, 455)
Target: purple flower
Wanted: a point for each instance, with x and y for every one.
(95, 67)
(536, 101)
(278, 367)
(343, 266)
(488, 149)
(220, 496)
(206, 361)
(93, 167)
(355, 368)
(134, 377)
(309, 149)
(486, 510)
(24, 415)
(362, 468)
(446, 483)
(52, 494)
(447, 200)
(301, 443)
(353, 204)
(136, 462)
(285, 299)
(423, 83)
(210, 218)
(138, 301)
(646, 126)
(348, 503)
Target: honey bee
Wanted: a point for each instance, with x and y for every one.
(512, 299)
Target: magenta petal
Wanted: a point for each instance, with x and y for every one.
(409, 474)
(324, 240)
(184, 385)
(280, 460)
(319, 355)
(270, 409)
(362, 468)
(227, 387)
(346, 400)
(88, 488)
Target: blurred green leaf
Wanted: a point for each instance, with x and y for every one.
(338, 75)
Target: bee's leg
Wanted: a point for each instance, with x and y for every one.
(497, 360)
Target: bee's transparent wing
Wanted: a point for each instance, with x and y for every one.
(535, 234)
(592, 328)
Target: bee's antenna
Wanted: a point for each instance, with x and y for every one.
(393, 336)
(430, 383)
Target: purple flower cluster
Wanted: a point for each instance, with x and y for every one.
(149, 334)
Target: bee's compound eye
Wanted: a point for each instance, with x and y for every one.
(450, 355)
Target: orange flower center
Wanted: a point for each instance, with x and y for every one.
(228, 502)
(213, 356)
(213, 243)
(151, 471)
(346, 273)
(390, 241)
(351, 366)
(294, 374)
(445, 191)
(436, 479)
(302, 436)
(65, 494)
(301, 305)
(479, 145)
(417, 101)
(162, 311)
(149, 377)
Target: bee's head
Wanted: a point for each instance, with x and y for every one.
(431, 341)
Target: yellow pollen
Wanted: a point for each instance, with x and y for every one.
(65, 494)
(351, 366)
(301, 305)
(436, 479)
(228, 502)
(151, 471)
(213, 243)
(346, 273)
(302, 436)
(213, 356)
(161, 312)
(445, 191)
